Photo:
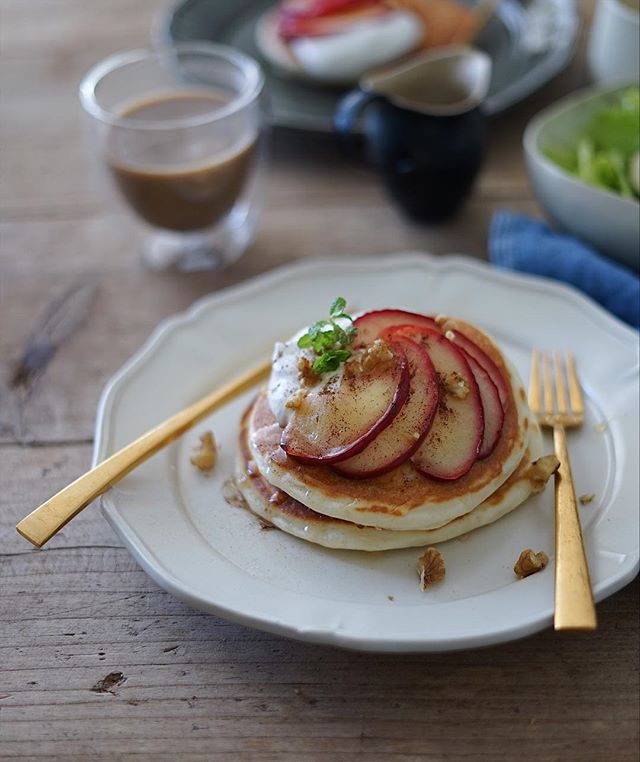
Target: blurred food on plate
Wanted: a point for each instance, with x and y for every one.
(446, 22)
(337, 41)
(529, 42)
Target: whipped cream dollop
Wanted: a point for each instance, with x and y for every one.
(285, 382)
(347, 55)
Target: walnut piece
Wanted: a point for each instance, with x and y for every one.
(586, 499)
(367, 358)
(306, 373)
(430, 568)
(294, 402)
(206, 454)
(530, 563)
(540, 470)
(376, 354)
(455, 385)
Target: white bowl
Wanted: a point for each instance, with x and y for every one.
(607, 221)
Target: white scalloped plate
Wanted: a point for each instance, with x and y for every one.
(216, 557)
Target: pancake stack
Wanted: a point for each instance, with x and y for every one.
(422, 434)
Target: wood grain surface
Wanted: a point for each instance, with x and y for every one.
(96, 661)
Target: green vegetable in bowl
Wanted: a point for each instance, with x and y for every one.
(606, 154)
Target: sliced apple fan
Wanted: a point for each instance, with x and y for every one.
(453, 451)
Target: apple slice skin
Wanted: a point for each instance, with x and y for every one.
(309, 9)
(373, 324)
(397, 443)
(488, 393)
(483, 359)
(489, 378)
(291, 27)
(315, 436)
(464, 453)
(491, 406)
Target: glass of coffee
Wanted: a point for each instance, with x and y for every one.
(177, 132)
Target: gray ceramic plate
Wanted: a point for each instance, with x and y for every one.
(529, 42)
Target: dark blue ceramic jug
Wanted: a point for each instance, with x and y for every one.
(423, 128)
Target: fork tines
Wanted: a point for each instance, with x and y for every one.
(553, 383)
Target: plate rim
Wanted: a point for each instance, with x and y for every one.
(429, 263)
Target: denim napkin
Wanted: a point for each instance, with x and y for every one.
(520, 243)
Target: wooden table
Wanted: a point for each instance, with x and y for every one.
(180, 684)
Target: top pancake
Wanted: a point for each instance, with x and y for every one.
(404, 498)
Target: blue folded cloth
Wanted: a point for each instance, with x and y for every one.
(520, 243)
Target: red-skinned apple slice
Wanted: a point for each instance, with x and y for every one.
(340, 416)
(491, 407)
(371, 325)
(398, 441)
(482, 358)
(309, 9)
(291, 27)
(451, 447)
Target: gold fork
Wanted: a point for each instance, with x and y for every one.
(574, 607)
(40, 525)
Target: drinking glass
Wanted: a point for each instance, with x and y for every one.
(177, 134)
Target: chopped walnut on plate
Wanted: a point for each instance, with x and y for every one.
(540, 471)
(206, 453)
(530, 563)
(430, 567)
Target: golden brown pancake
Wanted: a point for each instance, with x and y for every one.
(293, 517)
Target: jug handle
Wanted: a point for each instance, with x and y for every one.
(347, 112)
